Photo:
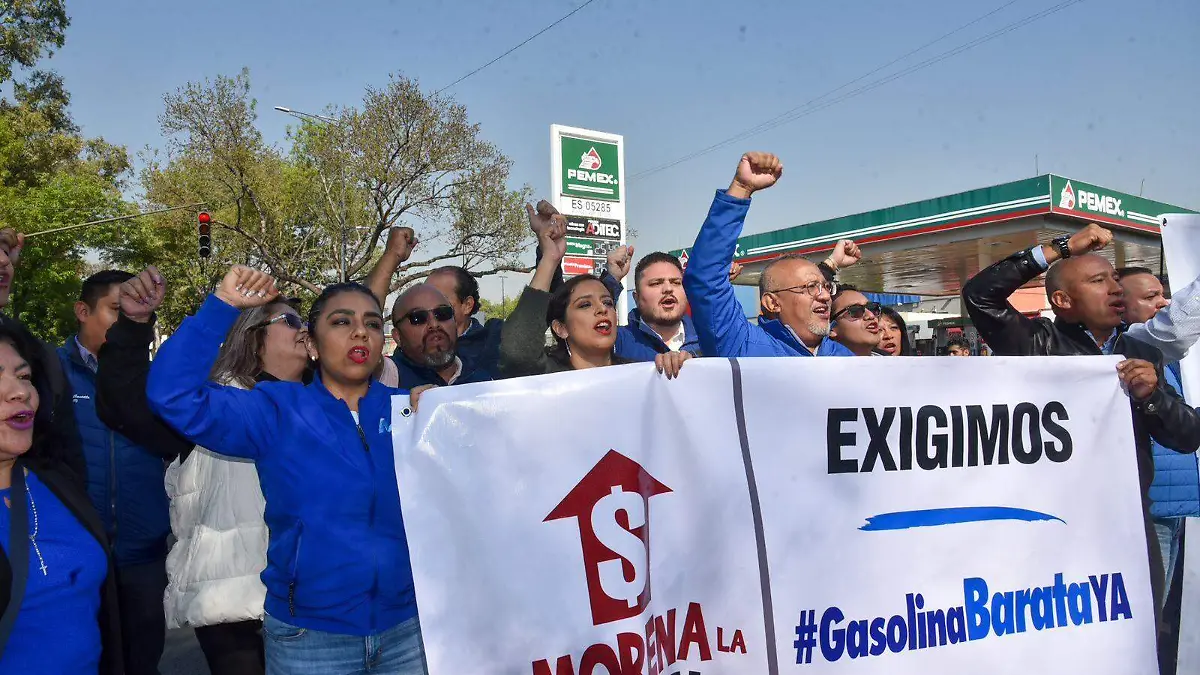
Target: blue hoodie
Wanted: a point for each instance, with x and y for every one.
(337, 559)
(639, 342)
(720, 323)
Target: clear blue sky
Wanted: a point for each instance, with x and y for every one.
(1105, 91)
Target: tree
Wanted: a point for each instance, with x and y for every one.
(402, 157)
(30, 30)
(498, 310)
(51, 176)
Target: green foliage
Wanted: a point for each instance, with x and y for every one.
(50, 176)
(498, 310)
(29, 30)
(404, 157)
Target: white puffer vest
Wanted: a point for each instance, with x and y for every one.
(217, 517)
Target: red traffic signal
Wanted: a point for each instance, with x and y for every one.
(205, 220)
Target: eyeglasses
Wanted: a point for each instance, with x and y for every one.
(294, 322)
(857, 312)
(419, 317)
(812, 288)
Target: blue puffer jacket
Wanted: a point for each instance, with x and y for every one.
(720, 323)
(124, 480)
(1175, 492)
(337, 557)
(413, 375)
(638, 341)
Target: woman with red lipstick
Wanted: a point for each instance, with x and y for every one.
(57, 594)
(338, 578)
(581, 315)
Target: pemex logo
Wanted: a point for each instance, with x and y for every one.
(590, 160)
(611, 507)
(1066, 200)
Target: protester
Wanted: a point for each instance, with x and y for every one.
(793, 290)
(581, 315)
(893, 334)
(1175, 492)
(57, 405)
(1174, 329)
(958, 346)
(854, 322)
(659, 323)
(338, 577)
(426, 335)
(125, 481)
(58, 599)
(1082, 289)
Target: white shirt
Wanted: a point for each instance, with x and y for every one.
(677, 340)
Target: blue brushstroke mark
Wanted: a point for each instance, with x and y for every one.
(903, 520)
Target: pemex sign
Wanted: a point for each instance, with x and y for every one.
(590, 168)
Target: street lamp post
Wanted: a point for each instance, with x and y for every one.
(345, 275)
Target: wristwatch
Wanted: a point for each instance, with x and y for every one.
(1060, 244)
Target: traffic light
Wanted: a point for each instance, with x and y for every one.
(205, 221)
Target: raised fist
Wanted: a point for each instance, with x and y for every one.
(620, 259)
(1091, 238)
(845, 254)
(142, 295)
(756, 171)
(735, 271)
(552, 235)
(544, 216)
(400, 242)
(244, 288)
(11, 243)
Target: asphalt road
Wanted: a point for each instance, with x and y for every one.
(182, 655)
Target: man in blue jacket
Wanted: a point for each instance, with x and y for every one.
(793, 291)
(1175, 492)
(428, 346)
(660, 322)
(124, 481)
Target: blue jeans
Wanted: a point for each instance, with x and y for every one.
(1169, 531)
(292, 650)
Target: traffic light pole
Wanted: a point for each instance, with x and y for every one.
(113, 220)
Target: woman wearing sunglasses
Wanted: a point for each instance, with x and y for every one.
(581, 315)
(854, 322)
(338, 580)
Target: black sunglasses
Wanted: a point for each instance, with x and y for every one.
(419, 317)
(294, 322)
(858, 311)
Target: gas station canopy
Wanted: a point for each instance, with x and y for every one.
(933, 247)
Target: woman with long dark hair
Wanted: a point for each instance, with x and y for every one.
(57, 592)
(581, 315)
(894, 339)
(338, 578)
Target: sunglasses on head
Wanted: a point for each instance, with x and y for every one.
(419, 317)
(293, 321)
(859, 311)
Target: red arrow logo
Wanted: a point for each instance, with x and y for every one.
(611, 506)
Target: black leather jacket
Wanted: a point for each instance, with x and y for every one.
(1164, 416)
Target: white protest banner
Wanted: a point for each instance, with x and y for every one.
(1181, 246)
(781, 516)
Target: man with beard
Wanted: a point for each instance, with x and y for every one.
(1087, 299)
(426, 338)
(659, 324)
(794, 291)
(855, 322)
